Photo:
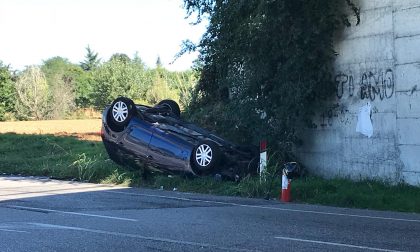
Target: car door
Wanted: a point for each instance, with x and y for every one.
(137, 139)
(168, 151)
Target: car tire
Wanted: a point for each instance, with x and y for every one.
(120, 113)
(173, 105)
(206, 157)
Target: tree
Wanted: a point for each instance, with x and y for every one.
(121, 57)
(265, 64)
(7, 92)
(158, 62)
(61, 76)
(83, 89)
(137, 60)
(160, 89)
(185, 83)
(33, 94)
(118, 78)
(91, 60)
(70, 78)
(180, 83)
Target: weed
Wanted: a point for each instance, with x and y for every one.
(85, 167)
(118, 177)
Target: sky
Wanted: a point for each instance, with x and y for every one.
(36, 30)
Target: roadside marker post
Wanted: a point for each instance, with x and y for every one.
(263, 156)
(291, 170)
(286, 185)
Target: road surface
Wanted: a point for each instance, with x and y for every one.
(39, 214)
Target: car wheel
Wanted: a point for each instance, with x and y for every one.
(174, 107)
(120, 113)
(205, 158)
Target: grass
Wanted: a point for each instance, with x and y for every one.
(361, 194)
(65, 157)
(60, 157)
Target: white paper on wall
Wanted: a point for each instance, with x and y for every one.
(364, 123)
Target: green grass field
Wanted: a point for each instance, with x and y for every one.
(60, 157)
(66, 157)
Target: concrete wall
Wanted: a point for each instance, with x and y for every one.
(378, 62)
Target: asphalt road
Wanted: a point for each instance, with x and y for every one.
(48, 215)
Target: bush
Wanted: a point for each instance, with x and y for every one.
(266, 64)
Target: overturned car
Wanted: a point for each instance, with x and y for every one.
(157, 139)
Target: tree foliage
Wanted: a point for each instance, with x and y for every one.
(58, 89)
(69, 81)
(91, 60)
(7, 92)
(158, 62)
(184, 83)
(61, 76)
(121, 57)
(265, 64)
(160, 86)
(118, 78)
(33, 94)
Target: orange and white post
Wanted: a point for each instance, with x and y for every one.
(285, 188)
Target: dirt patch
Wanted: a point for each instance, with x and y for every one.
(83, 129)
(96, 136)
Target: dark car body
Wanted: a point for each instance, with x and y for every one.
(156, 139)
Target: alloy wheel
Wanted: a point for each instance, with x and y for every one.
(203, 155)
(120, 111)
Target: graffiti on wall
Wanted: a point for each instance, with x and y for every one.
(372, 85)
(333, 113)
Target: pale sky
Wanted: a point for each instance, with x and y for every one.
(35, 30)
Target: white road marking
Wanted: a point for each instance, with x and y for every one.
(14, 231)
(269, 208)
(336, 244)
(156, 239)
(71, 213)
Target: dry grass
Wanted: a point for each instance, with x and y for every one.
(88, 129)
